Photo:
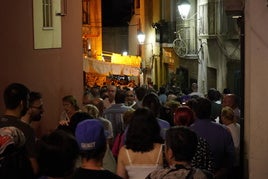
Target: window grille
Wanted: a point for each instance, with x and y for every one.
(47, 14)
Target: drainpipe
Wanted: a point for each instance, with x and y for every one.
(161, 73)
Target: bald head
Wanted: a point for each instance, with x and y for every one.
(230, 100)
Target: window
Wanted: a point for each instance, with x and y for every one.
(85, 12)
(47, 14)
(137, 4)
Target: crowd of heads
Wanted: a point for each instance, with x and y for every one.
(83, 131)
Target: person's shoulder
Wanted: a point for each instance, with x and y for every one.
(236, 125)
(81, 173)
(162, 96)
(119, 108)
(110, 175)
(122, 149)
(198, 121)
(88, 173)
(219, 126)
(104, 120)
(157, 147)
(126, 107)
(122, 155)
(4, 119)
(106, 100)
(27, 127)
(199, 124)
(200, 173)
(16, 122)
(163, 122)
(159, 174)
(107, 110)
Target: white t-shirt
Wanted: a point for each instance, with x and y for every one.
(235, 132)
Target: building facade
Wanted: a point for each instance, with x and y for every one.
(57, 72)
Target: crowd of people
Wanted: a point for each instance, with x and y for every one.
(129, 133)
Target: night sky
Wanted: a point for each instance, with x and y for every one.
(116, 12)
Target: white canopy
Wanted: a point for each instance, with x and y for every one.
(106, 68)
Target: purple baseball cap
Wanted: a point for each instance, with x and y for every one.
(90, 135)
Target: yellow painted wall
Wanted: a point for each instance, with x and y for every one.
(92, 30)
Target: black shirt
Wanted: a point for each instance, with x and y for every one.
(82, 173)
(27, 130)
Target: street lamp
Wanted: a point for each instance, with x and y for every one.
(141, 37)
(184, 8)
(141, 40)
(147, 58)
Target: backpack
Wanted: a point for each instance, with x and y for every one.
(16, 165)
(118, 143)
(180, 172)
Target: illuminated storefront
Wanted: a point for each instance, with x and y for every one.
(97, 71)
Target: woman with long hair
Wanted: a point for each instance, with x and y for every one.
(142, 152)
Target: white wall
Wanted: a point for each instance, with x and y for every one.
(256, 88)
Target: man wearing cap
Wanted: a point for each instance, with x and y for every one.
(92, 142)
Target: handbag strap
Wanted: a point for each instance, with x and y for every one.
(165, 163)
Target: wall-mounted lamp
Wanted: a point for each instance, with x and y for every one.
(141, 37)
(184, 8)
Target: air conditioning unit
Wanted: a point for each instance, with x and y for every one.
(234, 7)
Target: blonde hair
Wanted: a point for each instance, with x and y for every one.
(72, 100)
(92, 110)
(228, 113)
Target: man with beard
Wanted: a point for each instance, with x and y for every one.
(35, 111)
(16, 100)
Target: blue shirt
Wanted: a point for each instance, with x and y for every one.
(164, 126)
(115, 115)
(162, 98)
(219, 139)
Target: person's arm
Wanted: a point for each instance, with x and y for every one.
(121, 168)
(230, 150)
(35, 165)
(63, 122)
(229, 156)
(31, 149)
(110, 135)
(64, 119)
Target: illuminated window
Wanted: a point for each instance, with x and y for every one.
(47, 14)
(137, 4)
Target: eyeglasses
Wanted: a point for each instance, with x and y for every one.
(37, 107)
